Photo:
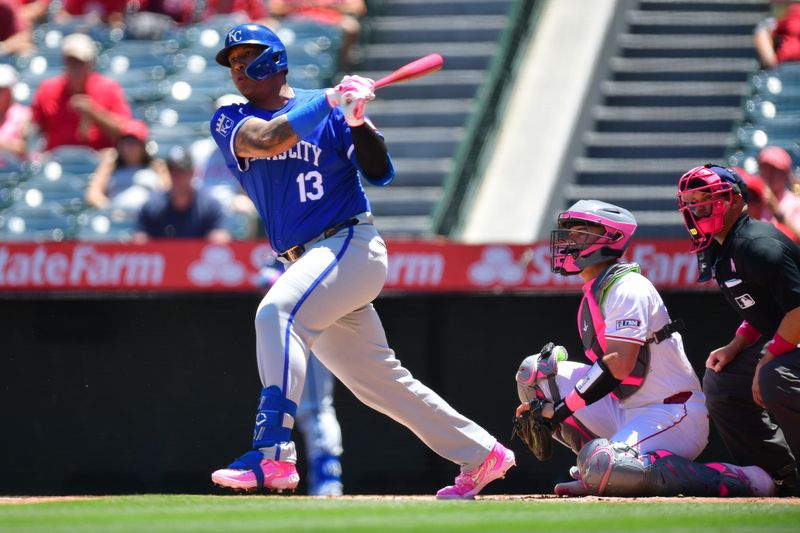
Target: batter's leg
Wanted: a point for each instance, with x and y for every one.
(356, 351)
(748, 433)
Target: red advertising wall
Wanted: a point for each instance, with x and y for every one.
(414, 266)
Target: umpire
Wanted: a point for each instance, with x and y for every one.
(750, 385)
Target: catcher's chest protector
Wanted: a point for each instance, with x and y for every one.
(592, 327)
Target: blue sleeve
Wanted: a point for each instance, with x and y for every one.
(225, 123)
(387, 178)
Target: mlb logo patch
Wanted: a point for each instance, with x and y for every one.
(628, 323)
(744, 301)
(224, 125)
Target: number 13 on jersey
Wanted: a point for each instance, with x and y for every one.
(310, 186)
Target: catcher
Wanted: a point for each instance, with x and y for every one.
(635, 417)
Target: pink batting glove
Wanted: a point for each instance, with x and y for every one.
(354, 112)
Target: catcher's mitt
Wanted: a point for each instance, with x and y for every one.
(535, 430)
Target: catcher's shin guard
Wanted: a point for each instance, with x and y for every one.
(615, 469)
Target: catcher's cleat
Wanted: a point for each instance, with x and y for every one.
(251, 471)
(757, 480)
(572, 488)
(468, 484)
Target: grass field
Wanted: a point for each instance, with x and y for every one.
(228, 514)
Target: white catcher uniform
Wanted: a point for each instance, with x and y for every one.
(667, 410)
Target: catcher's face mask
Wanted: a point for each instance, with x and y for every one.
(589, 232)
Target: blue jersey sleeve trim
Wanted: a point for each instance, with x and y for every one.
(381, 181)
(242, 163)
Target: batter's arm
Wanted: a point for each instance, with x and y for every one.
(257, 137)
(370, 151)
(265, 138)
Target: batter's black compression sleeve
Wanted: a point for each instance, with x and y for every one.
(371, 153)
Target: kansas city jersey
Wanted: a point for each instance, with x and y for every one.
(305, 190)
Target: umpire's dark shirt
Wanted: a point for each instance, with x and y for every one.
(758, 270)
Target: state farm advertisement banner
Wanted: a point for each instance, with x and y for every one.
(414, 266)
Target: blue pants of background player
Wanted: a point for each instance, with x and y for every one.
(321, 432)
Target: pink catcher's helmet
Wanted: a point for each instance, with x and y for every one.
(702, 195)
(572, 249)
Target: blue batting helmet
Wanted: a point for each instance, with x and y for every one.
(271, 61)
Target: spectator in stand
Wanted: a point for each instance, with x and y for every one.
(15, 118)
(111, 12)
(250, 11)
(80, 106)
(182, 211)
(760, 198)
(127, 175)
(180, 11)
(15, 30)
(342, 13)
(34, 11)
(777, 39)
(775, 168)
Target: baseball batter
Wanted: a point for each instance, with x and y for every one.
(299, 154)
(636, 416)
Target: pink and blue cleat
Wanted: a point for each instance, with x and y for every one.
(251, 472)
(468, 484)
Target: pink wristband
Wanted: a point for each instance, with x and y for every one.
(749, 333)
(574, 401)
(779, 346)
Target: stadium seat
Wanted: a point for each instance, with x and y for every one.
(13, 170)
(105, 226)
(49, 35)
(68, 159)
(166, 136)
(47, 222)
(68, 192)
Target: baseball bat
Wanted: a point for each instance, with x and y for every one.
(411, 71)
